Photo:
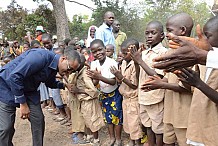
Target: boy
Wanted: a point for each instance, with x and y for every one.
(128, 88)
(88, 97)
(111, 98)
(109, 50)
(203, 116)
(151, 102)
(178, 97)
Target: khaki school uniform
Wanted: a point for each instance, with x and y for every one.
(176, 112)
(90, 107)
(78, 123)
(203, 116)
(151, 102)
(130, 105)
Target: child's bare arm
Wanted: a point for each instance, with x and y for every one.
(192, 78)
(120, 77)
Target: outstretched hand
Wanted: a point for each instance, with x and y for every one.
(135, 54)
(185, 56)
(94, 74)
(116, 72)
(152, 83)
(201, 42)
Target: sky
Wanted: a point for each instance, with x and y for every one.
(71, 8)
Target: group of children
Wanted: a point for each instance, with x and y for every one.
(129, 93)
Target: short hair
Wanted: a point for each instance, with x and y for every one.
(26, 43)
(110, 46)
(66, 41)
(46, 36)
(58, 49)
(82, 58)
(72, 43)
(130, 41)
(158, 24)
(33, 42)
(71, 54)
(97, 41)
(212, 23)
(85, 49)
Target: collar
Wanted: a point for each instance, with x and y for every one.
(104, 25)
(128, 65)
(54, 62)
(154, 49)
(80, 72)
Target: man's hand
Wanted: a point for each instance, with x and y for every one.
(136, 55)
(24, 111)
(185, 56)
(116, 72)
(94, 74)
(153, 83)
(201, 42)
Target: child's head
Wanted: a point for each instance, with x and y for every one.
(126, 46)
(154, 33)
(211, 31)
(59, 51)
(35, 44)
(98, 49)
(180, 24)
(120, 57)
(109, 50)
(7, 59)
(61, 44)
(26, 46)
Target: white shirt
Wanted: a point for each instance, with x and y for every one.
(105, 72)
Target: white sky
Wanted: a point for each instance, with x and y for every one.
(71, 8)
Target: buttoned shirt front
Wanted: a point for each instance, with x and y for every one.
(21, 77)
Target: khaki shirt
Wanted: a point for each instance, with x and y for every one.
(130, 73)
(203, 116)
(176, 105)
(121, 36)
(153, 96)
(85, 83)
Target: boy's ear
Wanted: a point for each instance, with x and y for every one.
(183, 30)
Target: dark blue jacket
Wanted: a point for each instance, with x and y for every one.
(20, 78)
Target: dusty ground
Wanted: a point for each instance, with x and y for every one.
(55, 134)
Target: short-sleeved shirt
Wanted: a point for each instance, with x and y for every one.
(153, 96)
(105, 72)
(121, 36)
(128, 70)
(21, 77)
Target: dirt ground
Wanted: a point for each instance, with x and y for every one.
(55, 134)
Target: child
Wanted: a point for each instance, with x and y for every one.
(119, 58)
(128, 88)
(178, 97)
(203, 116)
(151, 102)
(35, 44)
(88, 96)
(88, 55)
(111, 98)
(109, 50)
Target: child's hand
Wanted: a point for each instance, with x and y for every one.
(189, 76)
(74, 90)
(116, 72)
(201, 42)
(153, 83)
(136, 55)
(94, 74)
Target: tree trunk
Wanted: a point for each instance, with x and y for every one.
(63, 31)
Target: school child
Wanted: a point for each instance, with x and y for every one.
(109, 50)
(88, 55)
(88, 97)
(119, 59)
(110, 96)
(203, 116)
(178, 97)
(151, 102)
(128, 89)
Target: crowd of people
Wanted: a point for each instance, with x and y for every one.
(164, 93)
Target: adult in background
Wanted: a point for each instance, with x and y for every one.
(20, 80)
(91, 35)
(105, 31)
(118, 35)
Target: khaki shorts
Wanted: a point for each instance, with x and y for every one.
(173, 135)
(152, 116)
(131, 119)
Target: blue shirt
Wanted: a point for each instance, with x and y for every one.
(21, 77)
(105, 34)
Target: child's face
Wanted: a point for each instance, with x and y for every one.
(212, 35)
(109, 52)
(153, 36)
(126, 53)
(25, 47)
(92, 34)
(120, 57)
(98, 51)
(174, 29)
